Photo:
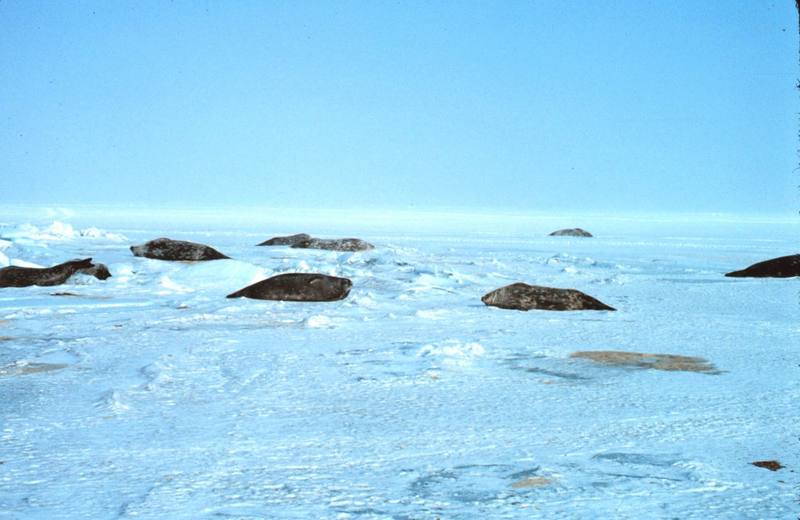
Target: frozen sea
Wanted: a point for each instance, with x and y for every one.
(151, 395)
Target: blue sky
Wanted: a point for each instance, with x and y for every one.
(519, 106)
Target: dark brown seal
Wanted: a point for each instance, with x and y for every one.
(286, 241)
(336, 244)
(298, 287)
(46, 276)
(772, 465)
(782, 267)
(574, 232)
(524, 297)
(181, 250)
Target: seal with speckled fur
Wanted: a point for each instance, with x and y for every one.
(298, 287)
(286, 241)
(14, 276)
(180, 250)
(524, 297)
(782, 267)
(575, 232)
(337, 244)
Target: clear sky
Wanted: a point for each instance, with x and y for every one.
(686, 106)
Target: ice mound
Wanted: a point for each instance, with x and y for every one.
(363, 300)
(319, 321)
(564, 258)
(431, 314)
(4, 261)
(167, 283)
(452, 352)
(221, 275)
(113, 402)
(58, 231)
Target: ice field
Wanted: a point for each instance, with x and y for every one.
(150, 395)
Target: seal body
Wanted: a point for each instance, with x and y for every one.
(336, 244)
(286, 241)
(782, 267)
(574, 232)
(181, 250)
(298, 287)
(14, 276)
(524, 297)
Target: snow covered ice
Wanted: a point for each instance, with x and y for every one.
(151, 395)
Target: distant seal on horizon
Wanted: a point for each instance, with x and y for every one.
(573, 232)
(523, 297)
(297, 287)
(334, 244)
(289, 240)
(14, 276)
(177, 250)
(781, 267)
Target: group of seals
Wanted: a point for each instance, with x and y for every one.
(305, 241)
(14, 276)
(315, 287)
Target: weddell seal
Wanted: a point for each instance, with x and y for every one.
(523, 297)
(335, 244)
(298, 287)
(168, 249)
(46, 276)
(782, 267)
(575, 232)
(286, 241)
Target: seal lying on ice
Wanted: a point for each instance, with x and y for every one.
(337, 244)
(168, 249)
(286, 241)
(524, 297)
(298, 287)
(46, 276)
(782, 267)
(576, 232)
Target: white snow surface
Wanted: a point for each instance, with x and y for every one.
(151, 395)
